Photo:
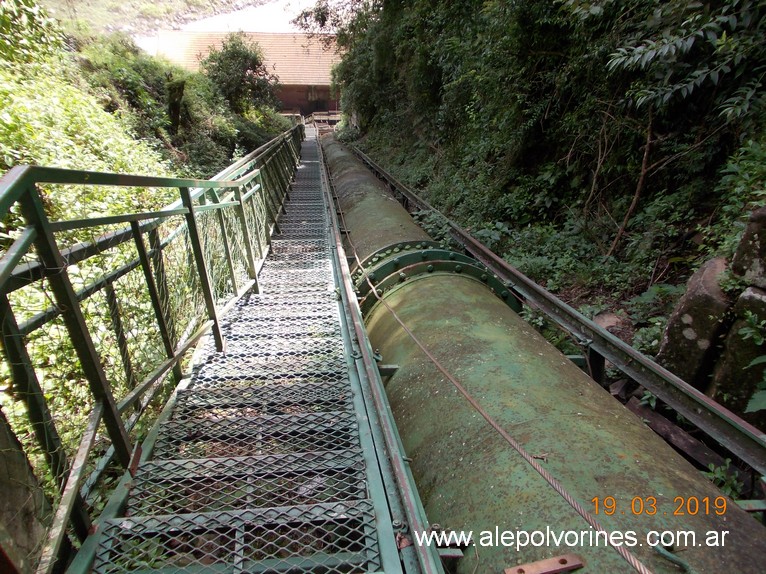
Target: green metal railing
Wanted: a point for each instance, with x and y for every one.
(123, 299)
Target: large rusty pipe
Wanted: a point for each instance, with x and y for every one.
(469, 478)
(378, 219)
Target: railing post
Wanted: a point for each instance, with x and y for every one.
(226, 246)
(246, 238)
(143, 257)
(90, 361)
(119, 331)
(284, 166)
(273, 172)
(199, 258)
(266, 190)
(290, 143)
(255, 196)
(70, 496)
(161, 279)
(596, 365)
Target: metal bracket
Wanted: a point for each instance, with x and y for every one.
(563, 563)
(387, 370)
(450, 553)
(394, 272)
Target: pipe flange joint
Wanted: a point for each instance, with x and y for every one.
(386, 277)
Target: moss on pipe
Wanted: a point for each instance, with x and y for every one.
(467, 476)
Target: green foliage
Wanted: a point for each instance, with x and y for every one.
(686, 47)
(185, 112)
(755, 330)
(742, 189)
(521, 124)
(434, 224)
(26, 32)
(492, 235)
(758, 401)
(647, 339)
(100, 104)
(238, 71)
(725, 479)
(656, 301)
(649, 399)
(47, 121)
(552, 332)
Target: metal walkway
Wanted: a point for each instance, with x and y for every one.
(266, 461)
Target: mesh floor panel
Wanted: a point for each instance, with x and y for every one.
(260, 467)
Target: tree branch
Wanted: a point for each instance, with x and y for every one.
(639, 187)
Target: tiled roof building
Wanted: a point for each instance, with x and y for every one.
(301, 62)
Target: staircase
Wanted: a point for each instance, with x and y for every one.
(265, 462)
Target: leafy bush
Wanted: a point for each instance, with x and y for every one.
(47, 121)
(238, 71)
(587, 142)
(742, 188)
(26, 32)
(187, 113)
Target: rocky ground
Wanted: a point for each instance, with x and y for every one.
(713, 336)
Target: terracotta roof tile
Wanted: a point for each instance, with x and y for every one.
(297, 59)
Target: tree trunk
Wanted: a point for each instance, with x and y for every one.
(639, 187)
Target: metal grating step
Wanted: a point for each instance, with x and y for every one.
(296, 311)
(202, 437)
(247, 482)
(284, 348)
(276, 378)
(281, 299)
(297, 257)
(279, 246)
(244, 367)
(321, 327)
(330, 537)
(298, 264)
(328, 396)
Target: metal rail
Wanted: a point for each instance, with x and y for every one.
(211, 231)
(738, 436)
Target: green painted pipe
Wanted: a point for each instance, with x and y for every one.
(469, 478)
(374, 218)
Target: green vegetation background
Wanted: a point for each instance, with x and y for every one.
(604, 147)
(99, 103)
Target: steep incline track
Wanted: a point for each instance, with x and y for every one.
(265, 463)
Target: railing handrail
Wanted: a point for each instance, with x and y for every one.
(19, 179)
(254, 190)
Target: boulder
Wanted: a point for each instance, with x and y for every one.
(688, 347)
(750, 258)
(733, 383)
